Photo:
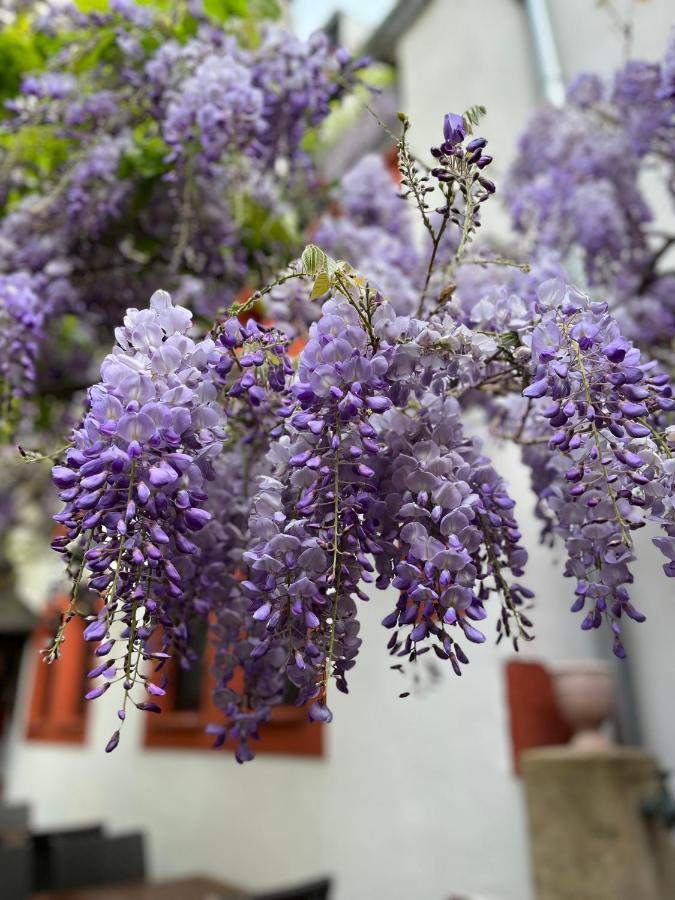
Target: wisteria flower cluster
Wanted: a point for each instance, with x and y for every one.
(148, 147)
(607, 410)
(214, 478)
(580, 188)
(21, 332)
(134, 481)
(133, 484)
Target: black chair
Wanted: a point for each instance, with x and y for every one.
(15, 873)
(311, 890)
(125, 858)
(42, 851)
(90, 860)
(14, 818)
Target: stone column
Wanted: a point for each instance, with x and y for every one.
(588, 837)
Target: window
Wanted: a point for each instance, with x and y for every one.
(188, 708)
(535, 718)
(57, 706)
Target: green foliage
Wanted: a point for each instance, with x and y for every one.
(321, 285)
(472, 117)
(18, 55)
(259, 229)
(39, 152)
(147, 156)
(327, 272)
(222, 10)
(89, 6)
(314, 260)
(100, 47)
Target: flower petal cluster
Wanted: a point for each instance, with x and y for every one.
(451, 518)
(133, 483)
(578, 187)
(311, 546)
(606, 408)
(178, 162)
(21, 332)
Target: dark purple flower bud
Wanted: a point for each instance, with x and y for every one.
(148, 707)
(378, 404)
(537, 388)
(113, 742)
(95, 630)
(476, 144)
(262, 613)
(472, 633)
(390, 620)
(196, 518)
(311, 619)
(616, 350)
(64, 477)
(243, 753)
(487, 184)
(633, 409)
(97, 691)
(154, 689)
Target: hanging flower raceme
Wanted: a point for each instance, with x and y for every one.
(450, 516)
(21, 331)
(135, 480)
(134, 487)
(578, 188)
(212, 479)
(310, 556)
(246, 686)
(607, 410)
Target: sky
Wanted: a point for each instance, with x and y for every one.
(308, 15)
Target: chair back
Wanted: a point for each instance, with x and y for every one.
(43, 844)
(15, 873)
(125, 858)
(311, 890)
(14, 818)
(95, 859)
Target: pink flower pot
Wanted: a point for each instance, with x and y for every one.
(584, 691)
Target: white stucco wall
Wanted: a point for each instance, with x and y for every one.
(407, 794)
(414, 798)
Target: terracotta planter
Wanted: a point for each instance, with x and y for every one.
(585, 694)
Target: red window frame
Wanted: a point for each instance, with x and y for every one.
(57, 710)
(289, 731)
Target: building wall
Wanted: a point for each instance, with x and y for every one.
(496, 66)
(410, 795)
(414, 798)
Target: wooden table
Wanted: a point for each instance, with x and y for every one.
(178, 889)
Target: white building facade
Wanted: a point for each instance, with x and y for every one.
(414, 799)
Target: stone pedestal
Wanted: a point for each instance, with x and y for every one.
(588, 837)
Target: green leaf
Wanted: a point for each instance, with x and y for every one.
(105, 50)
(18, 55)
(252, 10)
(314, 260)
(321, 285)
(222, 10)
(147, 156)
(88, 6)
(472, 117)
